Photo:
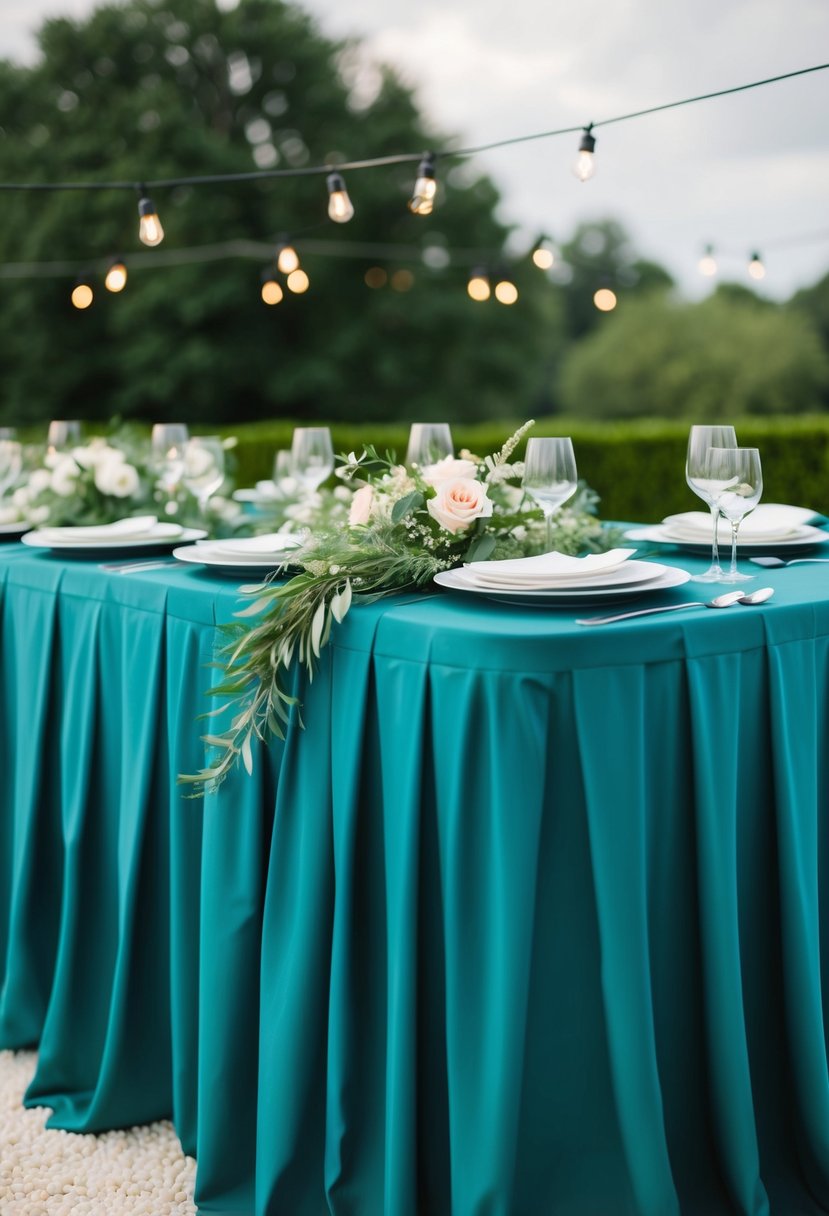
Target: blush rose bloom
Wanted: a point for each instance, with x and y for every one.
(458, 503)
(361, 505)
(448, 469)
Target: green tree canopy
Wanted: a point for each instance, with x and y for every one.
(143, 91)
(721, 358)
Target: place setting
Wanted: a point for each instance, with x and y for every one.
(250, 557)
(139, 535)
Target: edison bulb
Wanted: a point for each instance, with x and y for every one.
(298, 282)
(116, 277)
(287, 259)
(707, 264)
(150, 231)
(272, 293)
(756, 269)
(584, 168)
(423, 200)
(478, 286)
(506, 292)
(543, 257)
(340, 207)
(82, 295)
(605, 299)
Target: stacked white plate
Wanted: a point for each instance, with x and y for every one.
(769, 527)
(253, 556)
(552, 579)
(142, 532)
(263, 492)
(13, 531)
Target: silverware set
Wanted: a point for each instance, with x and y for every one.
(728, 600)
(157, 563)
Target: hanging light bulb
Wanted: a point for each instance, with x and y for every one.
(298, 282)
(116, 276)
(478, 285)
(150, 231)
(605, 299)
(543, 255)
(287, 258)
(756, 269)
(340, 207)
(707, 264)
(423, 199)
(506, 292)
(584, 168)
(271, 291)
(82, 294)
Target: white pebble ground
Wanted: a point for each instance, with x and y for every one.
(54, 1173)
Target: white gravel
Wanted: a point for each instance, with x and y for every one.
(53, 1173)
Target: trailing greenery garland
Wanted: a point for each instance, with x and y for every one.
(405, 526)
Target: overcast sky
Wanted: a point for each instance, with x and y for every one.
(741, 172)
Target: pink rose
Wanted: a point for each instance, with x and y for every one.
(361, 504)
(459, 503)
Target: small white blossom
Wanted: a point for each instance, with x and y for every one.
(22, 496)
(65, 478)
(39, 480)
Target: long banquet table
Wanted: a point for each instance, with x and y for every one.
(528, 918)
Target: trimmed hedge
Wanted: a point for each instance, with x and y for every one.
(637, 467)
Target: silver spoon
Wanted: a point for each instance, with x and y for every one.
(758, 597)
(773, 562)
(727, 600)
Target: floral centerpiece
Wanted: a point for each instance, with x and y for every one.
(102, 480)
(405, 525)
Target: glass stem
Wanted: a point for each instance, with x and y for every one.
(715, 546)
(548, 520)
(735, 524)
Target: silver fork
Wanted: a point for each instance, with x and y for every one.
(721, 601)
(129, 567)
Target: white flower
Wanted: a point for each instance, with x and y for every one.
(117, 478)
(342, 493)
(361, 505)
(85, 457)
(448, 469)
(22, 496)
(39, 481)
(65, 477)
(288, 486)
(39, 515)
(9, 515)
(459, 503)
(52, 459)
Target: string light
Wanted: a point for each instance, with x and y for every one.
(82, 295)
(287, 258)
(506, 292)
(756, 269)
(340, 207)
(478, 285)
(402, 280)
(707, 264)
(150, 231)
(376, 277)
(423, 200)
(584, 168)
(605, 299)
(271, 292)
(543, 255)
(298, 282)
(116, 276)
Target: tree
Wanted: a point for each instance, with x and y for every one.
(136, 92)
(718, 359)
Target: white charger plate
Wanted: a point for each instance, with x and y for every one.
(13, 531)
(809, 538)
(671, 576)
(125, 544)
(232, 567)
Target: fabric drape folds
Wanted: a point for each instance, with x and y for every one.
(527, 918)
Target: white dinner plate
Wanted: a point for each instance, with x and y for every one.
(808, 538)
(12, 531)
(671, 576)
(632, 571)
(232, 567)
(124, 544)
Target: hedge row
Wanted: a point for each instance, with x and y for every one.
(638, 468)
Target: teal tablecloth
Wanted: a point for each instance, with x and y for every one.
(529, 918)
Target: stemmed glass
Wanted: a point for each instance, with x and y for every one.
(429, 442)
(700, 441)
(11, 458)
(62, 437)
(204, 467)
(739, 474)
(283, 467)
(168, 441)
(550, 476)
(312, 456)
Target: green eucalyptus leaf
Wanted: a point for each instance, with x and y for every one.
(404, 506)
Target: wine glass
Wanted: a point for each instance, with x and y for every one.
(168, 442)
(700, 440)
(283, 467)
(312, 456)
(738, 473)
(204, 467)
(429, 442)
(11, 458)
(550, 476)
(62, 437)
